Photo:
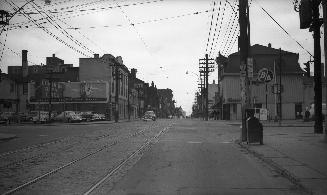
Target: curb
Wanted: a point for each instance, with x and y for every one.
(280, 170)
(5, 137)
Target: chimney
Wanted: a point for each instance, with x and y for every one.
(96, 55)
(213, 82)
(24, 63)
(269, 45)
(53, 55)
(133, 72)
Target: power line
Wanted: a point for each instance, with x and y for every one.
(213, 10)
(14, 52)
(57, 26)
(133, 25)
(283, 29)
(229, 37)
(45, 30)
(214, 35)
(83, 12)
(136, 23)
(220, 27)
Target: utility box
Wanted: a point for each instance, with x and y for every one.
(254, 128)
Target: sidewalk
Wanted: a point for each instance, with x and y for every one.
(296, 153)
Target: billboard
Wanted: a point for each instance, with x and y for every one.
(68, 92)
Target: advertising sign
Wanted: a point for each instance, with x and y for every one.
(250, 67)
(68, 92)
(265, 75)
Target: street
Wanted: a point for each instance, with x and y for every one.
(155, 157)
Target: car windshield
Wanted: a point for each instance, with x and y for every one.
(149, 113)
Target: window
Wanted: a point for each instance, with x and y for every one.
(234, 108)
(12, 86)
(25, 89)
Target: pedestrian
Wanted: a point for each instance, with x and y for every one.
(306, 114)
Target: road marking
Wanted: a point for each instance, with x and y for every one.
(194, 142)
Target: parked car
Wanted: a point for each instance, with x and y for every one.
(149, 115)
(40, 116)
(7, 117)
(68, 116)
(98, 117)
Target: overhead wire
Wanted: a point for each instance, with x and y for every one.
(208, 40)
(135, 23)
(280, 26)
(214, 35)
(63, 31)
(83, 12)
(220, 28)
(133, 26)
(72, 38)
(14, 52)
(47, 31)
(231, 32)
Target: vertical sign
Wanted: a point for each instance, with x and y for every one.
(250, 67)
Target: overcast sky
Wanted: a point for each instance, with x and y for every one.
(167, 39)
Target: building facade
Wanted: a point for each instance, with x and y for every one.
(262, 93)
(104, 69)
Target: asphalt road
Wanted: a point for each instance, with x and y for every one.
(198, 157)
(189, 157)
(34, 134)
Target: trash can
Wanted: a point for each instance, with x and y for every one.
(254, 128)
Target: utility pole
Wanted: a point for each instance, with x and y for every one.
(315, 27)
(206, 66)
(309, 18)
(50, 95)
(117, 75)
(324, 5)
(244, 45)
(280, 87)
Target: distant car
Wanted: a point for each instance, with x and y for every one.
(149, 115)
(68, 116)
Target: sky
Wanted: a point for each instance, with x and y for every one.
(165, 42)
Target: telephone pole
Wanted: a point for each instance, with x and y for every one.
(309, 18)
(117, 77)
(244, 44)
(50, 95)
(315, 27)
(206, 65)
(324, 5)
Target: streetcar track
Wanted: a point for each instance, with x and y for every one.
(120, 165)
(53, 171)
(66, 148)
